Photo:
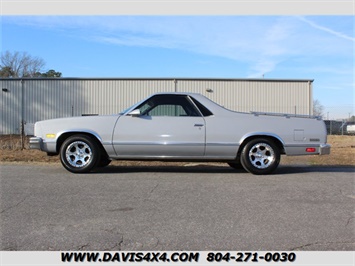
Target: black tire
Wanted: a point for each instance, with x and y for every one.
(80, 154)
(236, 165)
(260, 156)
(104, 161)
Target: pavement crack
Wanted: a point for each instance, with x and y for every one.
(154, 188)
(319, 244)
(303, 246)
(118, 245)
(82, 247)
(349, 221)
(13, 206)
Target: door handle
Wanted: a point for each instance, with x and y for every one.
(199, 125)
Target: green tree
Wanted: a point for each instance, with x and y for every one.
(49, 74)
(6, 72)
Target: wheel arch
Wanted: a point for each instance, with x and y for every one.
(270, 136)
(66, 134)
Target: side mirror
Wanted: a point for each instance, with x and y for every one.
(135, 113)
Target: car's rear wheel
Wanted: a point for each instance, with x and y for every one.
(260, 156)
(79, 154)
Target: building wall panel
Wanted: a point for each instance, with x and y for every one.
(10, 104)
(261, 96)
(53, 98)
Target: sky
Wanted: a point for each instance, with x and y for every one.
(278, 47)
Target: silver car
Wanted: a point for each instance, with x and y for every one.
(181, 127)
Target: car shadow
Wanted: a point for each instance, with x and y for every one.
(167, 169)
(208, 169)
(288, 169)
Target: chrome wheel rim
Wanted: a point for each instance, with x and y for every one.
(261, 155)
(78, 154)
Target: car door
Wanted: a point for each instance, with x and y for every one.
(166, 125)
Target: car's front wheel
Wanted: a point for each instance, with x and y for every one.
(104, 161)
(79, 154)
(260, 156)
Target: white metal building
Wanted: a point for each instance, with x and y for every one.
(25, 101)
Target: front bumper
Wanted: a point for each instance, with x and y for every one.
(324, 149)
(36, 143)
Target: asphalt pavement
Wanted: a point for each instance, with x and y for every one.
(44, 207)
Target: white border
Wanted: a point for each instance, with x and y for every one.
(53, 258)
(177, 7)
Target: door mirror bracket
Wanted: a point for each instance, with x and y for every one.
(135, 113)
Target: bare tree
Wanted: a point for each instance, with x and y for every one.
(318, 108)
(20, 64)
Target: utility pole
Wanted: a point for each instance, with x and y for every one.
(22, 130)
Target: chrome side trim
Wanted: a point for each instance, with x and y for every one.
(78, 130)
(157, 143)
(268, 134)
(173, 143)
(211, 144)
(164, 157)
(286, 115)
(310, 145)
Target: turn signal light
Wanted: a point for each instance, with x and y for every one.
(310, 149)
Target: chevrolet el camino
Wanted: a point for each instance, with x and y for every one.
(181, 127)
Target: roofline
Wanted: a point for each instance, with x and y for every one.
(176, 93)
(171, 79)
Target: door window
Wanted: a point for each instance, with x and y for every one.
(168, 105)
